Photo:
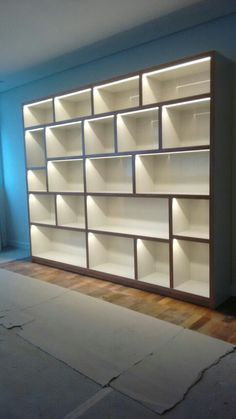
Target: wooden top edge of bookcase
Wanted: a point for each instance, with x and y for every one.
(211, 53)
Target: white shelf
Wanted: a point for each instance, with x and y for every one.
(113, 174)
(110, 254)
(138, 130)
(191, 218)
(73, 105)
(122, 94)
(191, 267)
(138, 216)
(99, 135)
(64, 140)
(70, 211)
(34, 145)
(180, 173)
(186, 124)
(65, 176)
(183, 80)
(38, 113)
(37, 180)
(42, 209)
(63, 246)
(153, 262)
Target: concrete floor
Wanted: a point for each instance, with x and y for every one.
(36, 384)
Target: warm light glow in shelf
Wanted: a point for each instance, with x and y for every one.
(137, 112)
(189, 102)
(174, 67)
(73, 94)
(113, 83)
(41, 102)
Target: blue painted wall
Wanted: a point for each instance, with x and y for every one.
(219, 34)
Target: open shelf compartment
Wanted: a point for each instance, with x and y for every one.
(191, 218)
(38, 113)
(37, 180)
(186, 124)
(109, 174)
(173, 173)
(42, 208)
(191, 267)
(138, 216)
(99, 135)
(138, 130)
(153, 262)
(35, 148)
(121, 94)
(71, 211)
(73, 105)
(111, 254)
(64, 140)
(177, 81)
(59, 245)
(65, 176)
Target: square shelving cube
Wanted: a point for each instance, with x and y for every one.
(121, 94)
(37, 181)
(42, 208)
(153, 262)
(191, 218)
(73, 105)
(137, 216)
(65, 176)
(173, 173)
(109, 174)
(59, 245)
(70, 211)
(64, 140)
(111, 254)
(38, 113)
(138, 130)
(99, 135)
(191, 267)
(186, 124)
(35, 149)
(177, 81)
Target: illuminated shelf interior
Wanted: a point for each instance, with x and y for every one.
(137, 216)
(122, 94)
(99, 135)
(73, 105)
(191, 218)
(42, 209)
(64, 140)
(178, 81)
(181, 173)
(35, 150)
(153, 262)
(37, 180)
(111, 254)
(109, 174)
(38, 113)
(191, 267)
(70, 211)
(186, 124)
(59, 245)
(65, 176)
(138, 130)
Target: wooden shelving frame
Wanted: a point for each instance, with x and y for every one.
(121, 173)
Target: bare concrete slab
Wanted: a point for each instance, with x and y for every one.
(97, 338)
(34, 385)
(161, 380)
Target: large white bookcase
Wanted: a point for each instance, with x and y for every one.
(129, 179)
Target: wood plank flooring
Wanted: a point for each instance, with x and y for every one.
(216, 323)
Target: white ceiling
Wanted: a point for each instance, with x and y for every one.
(35, 31)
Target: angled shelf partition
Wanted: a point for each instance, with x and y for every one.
(129, 179)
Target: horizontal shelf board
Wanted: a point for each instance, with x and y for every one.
(115, 269)
(47, 222)
(204, 238)
(156, 278)
(62, 257)
(126, 234)
(200, 288)
(129, 231)
(77, 226)
(36, 167)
